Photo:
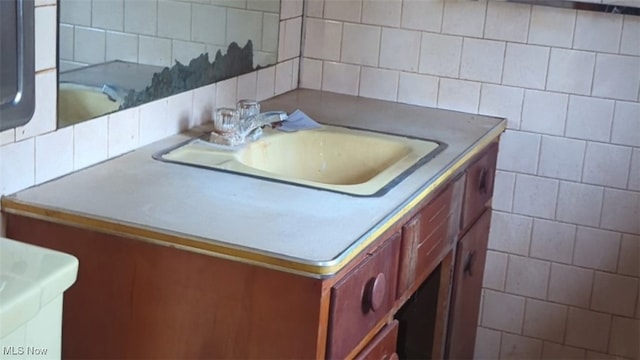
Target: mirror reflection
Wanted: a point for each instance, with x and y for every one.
(115, 54)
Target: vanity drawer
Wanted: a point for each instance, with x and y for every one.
(383, 346)
(479, 187)
(362, 298)
(429, 235)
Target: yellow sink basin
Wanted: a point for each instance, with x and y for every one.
(332, 158)
(77, 102)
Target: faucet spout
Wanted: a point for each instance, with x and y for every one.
(266, 118)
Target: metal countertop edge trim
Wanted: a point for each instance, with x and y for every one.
(323, 269)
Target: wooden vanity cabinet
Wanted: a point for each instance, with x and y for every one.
(144, 299)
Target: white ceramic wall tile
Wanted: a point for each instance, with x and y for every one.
(624, 337)
(288, 8)
(561, 158)
(360, 44)
(295, 82)
(552, 26)
(621, 211)
(204, 100)
(596, 249)
(502, 311)
(108, 14)
(495, 270)
(89, 45)
(630, 42)
(266, 84)
(505, 183)
(570, 285)
(579, 203)
(65, 46)
(626, 124)
(418, 89)
(154, 51)
(399, 49)
(617, 77)
(552, 241)
(17, 168)
(440, 55)
(519, 347)
(507, 21)
(45, 37)
(634, 171)
(311, 74)
(241, 4)
(136, 10)
(510, 233)
(464, 18)
(525, 66)
(553, 351)
(124, 131)
(208, 24)
(502, 101)
(598, 31)
(121, 46)
(459, 95)
(226, 91)
(544, 320)
(571, 71)
(527, 277)
(54, 154)
(379, 84)
(482, 60)
(314, 8)
(270, 33)
(592, 355)
(544, 112)
(185, 51)
(90, 142)
(291, 39)
(246, 86)
(153, 119)
(382, 12)
(76, 12)
(347, 10)
(422, 15)
(487, 344)
(589, 118)
(322, 39)
(628, 263)
(174, 19)
(340, 78)
(45, 113)
(519, 152)
(535, 196)
(284, 77)
(607, 165)
(243, 25)
(625, 289)
(38, 3)
(180, 112)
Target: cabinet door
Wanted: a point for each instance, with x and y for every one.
(467, 288)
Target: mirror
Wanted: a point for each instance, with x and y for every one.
(115, 54)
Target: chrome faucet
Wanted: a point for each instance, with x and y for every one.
(238, 126)
(254, 122)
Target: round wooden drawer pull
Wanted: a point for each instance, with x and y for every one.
(374, 293)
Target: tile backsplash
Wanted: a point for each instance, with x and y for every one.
(559, 281)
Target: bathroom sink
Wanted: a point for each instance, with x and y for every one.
(78, 102)
(332, 158)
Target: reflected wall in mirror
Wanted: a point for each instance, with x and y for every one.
(115, 54)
